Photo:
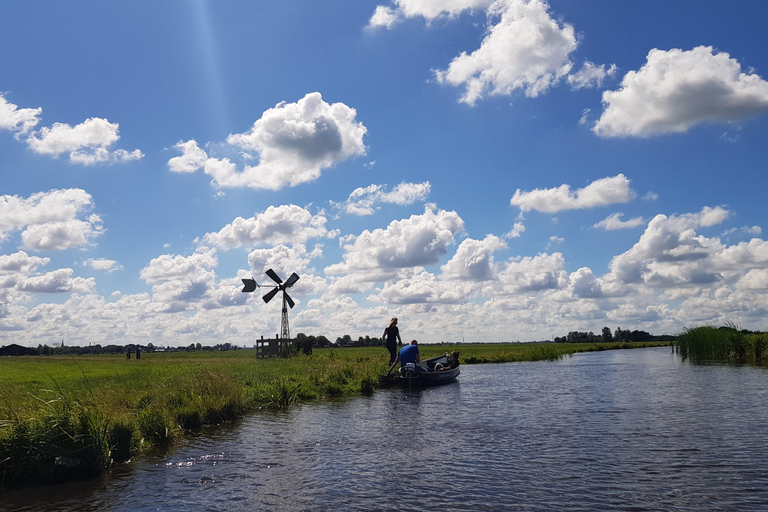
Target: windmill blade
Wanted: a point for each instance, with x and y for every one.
(271, 273)
(289, 300)
(289, 282)
(270, 294)
(249, 285)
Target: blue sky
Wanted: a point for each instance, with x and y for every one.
(488, 170)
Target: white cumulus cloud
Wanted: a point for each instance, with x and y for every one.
(293, 142)
(56, 236)
(676, 90)
(601, 192)
(384, 16)
(50, 220)
(590, 75)
(417, 241)
(86, 143)
(421, 288)
(168, 267)
(57, 281)
(364, 200)
(103, 264)
(387, 17)
(517, 230)
(670, 252)
(181, 283)
(524, 49)
(277, 224)
(530, 274)
(474, 260)
(283, 259)
(584, 285)
(754, 279)
(192, 158)
(20, 120)
(20, 262)
(614, 222)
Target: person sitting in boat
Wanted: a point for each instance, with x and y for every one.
(408, 354)
(452, 361)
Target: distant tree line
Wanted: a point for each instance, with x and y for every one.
(310, 341)
(341, 341)
(606, 336)
(362, 341)
(314, 341)
(47, 350)
(193, 347)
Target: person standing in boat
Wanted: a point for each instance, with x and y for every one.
(408, 354)
(391, 339)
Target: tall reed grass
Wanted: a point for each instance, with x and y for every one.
(726, 343)
(67, 439)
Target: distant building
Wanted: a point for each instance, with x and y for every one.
(17, 350)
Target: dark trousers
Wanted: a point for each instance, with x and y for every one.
(392, 347)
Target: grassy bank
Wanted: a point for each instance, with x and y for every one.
(64, 417)
(727, 343)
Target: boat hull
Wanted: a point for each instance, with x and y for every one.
(429, 379)
(426, 376)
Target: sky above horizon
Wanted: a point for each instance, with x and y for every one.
(484, 170)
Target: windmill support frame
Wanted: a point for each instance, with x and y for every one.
(250, 285)
(284, 329)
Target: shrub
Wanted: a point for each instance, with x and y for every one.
(368, 385)
(288, 350)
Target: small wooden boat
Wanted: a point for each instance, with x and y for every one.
(427, 373)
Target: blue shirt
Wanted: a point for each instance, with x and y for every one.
(408, 354)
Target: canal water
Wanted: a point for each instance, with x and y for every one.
(626, 430)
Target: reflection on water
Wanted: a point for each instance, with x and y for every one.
(618, 430)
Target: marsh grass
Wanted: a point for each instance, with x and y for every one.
(64, 417)
(726, 343)
(68, 438)
(280, 393)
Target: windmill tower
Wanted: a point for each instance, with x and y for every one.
(250, 285)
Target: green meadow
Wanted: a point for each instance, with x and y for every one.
(64, 417)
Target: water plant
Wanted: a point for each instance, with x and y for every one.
(725, 343)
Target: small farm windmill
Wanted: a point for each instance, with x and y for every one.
(251, 285)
